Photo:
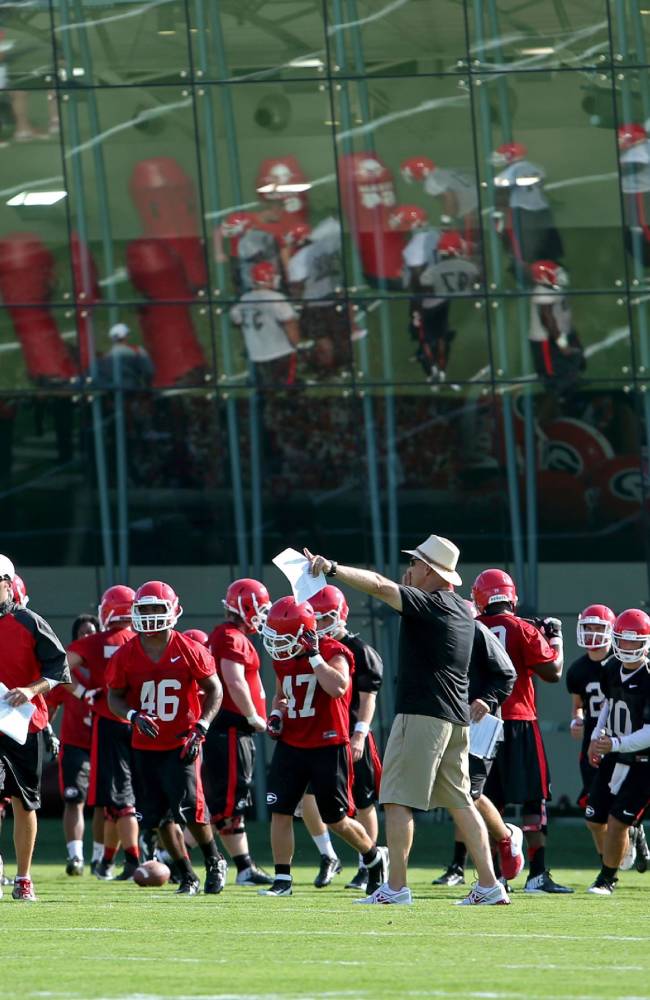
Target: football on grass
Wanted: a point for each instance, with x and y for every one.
(152, 873)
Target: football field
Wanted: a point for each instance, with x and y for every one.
(91, 939)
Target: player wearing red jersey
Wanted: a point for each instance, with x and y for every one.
(154, 683)
(310, 720)
(111, 778)
(520, 774)
(229, 752)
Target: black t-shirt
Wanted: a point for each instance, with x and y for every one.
(368, 671)
(628, 694)
(435, 644)
(583, 679)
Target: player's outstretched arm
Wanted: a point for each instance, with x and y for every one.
(367, 581)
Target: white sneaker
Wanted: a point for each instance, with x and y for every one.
(630, 851)
(494, 896)
(384, 894)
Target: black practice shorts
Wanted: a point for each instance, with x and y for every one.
(520, 772)
(74, 773)
(588, 773)
(168, 786)
(367, 775)
(327, 769)
(629, 803)
(20, 769)
(479, 770)
(111, 765)
(228, 766)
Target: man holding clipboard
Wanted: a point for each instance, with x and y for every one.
(32, 662)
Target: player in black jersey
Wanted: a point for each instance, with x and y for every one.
(620, 746)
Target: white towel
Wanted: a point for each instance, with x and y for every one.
(619, 774)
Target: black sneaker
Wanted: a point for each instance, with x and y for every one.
(455, 875)
(543, 883)
(329, 867)
(127, 873)
(254, 876)
(74, 866)
(105, 870)
(377, 873)
(602, 886)
(358, 881)
(642, 850)
(216, 870)
(93, 867)
(280, 887)
(189, 886)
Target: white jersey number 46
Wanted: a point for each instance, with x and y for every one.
(155, 699)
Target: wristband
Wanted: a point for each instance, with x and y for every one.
(276, 711)
(616, 743)
(362, 727)
(317, 661)
(333, 568)
(252, 719)
(79, 691)
(577, 723)
(202, 725)
(129, 715)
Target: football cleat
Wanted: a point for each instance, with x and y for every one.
(93, 867)
(378, 873)
(511, 853)
(189, 886)
(127, 873)
(329, 867)
(105, 870)
(455, 875)
(358, 881)
(216, 870)
(74, 866)
(280, 887)
(602, 886)
(543, 883)
(629, 857)
(23, 889)
(386, 896)
(253, 876)
(642, 851)
(496, 895)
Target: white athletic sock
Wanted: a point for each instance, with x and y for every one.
(75, 849)
(98, 851)
(324, 845)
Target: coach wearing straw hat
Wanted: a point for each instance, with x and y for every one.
(426, 760)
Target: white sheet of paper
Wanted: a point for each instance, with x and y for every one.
(296, 569)
(484, 736)
(14, 722)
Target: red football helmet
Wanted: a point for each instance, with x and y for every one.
(452, 244)
(197, 634)
(416, 168)
(19, 591)
(508, 152)
(604, 618)
(250, 600)
(408, 218)
(236, 224)
(114, 610)
(630, 135)
(264, 275)
(492, 586)
(285, 623)
(330, 603)
(632, 625)
(296, 235)
(547, 272)
(156, 594)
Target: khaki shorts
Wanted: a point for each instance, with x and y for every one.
(426, 764)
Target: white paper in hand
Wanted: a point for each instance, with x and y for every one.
(296, 569)
(14, 722)
(484, 737)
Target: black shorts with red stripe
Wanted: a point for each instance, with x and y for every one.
(228, 768)
(626, 805)
(20, 769)
(520, 772)
(327, 769)
(111, 765)
(367, 775)
(74, 773)
(168, 785)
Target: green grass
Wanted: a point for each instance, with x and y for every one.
(90, 939)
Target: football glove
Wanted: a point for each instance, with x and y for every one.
(309, 642)
(274, 725)
(193, 740)
(552, 628)
(145, 724)
(51, 741)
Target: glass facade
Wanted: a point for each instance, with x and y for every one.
(336, 273)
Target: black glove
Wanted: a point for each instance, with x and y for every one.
(193, 740)
(51, 741)
(552, 628)
(309, 642)
(274, 725)
(145, 724)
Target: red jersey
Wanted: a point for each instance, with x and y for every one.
(313, 718)
(165, 688)
(227, 642)
(96, 650)
(526, 647)
(29, 649)
(76, 725)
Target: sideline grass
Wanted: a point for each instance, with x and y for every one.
(87, 939)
